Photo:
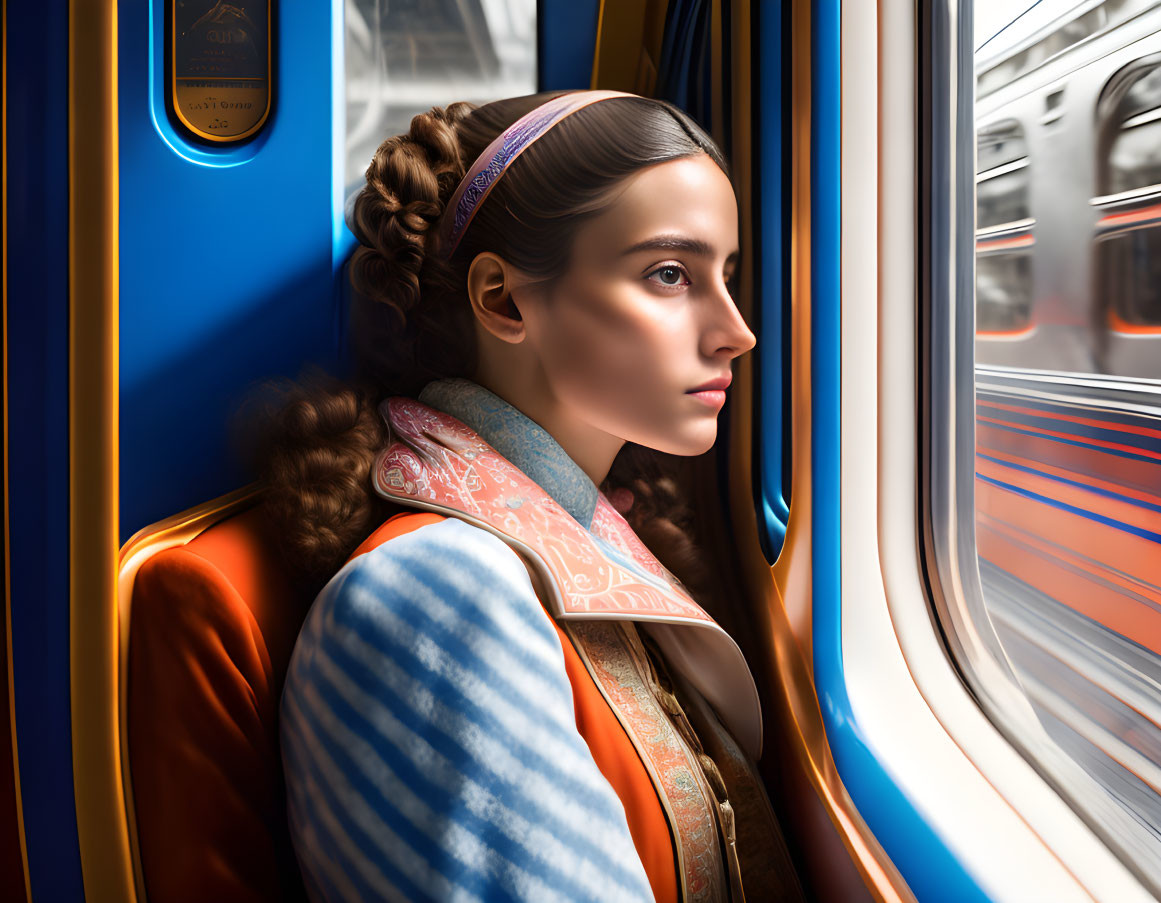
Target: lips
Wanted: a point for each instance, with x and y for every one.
(720, 384)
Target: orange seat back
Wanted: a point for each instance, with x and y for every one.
(209, 619)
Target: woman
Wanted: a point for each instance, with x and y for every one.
(503, 695)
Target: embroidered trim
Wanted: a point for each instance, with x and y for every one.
(440, 460)
(519, 439)
(620, 669)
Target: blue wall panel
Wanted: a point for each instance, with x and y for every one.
(567, 31)
(228, 257)
(38, 441)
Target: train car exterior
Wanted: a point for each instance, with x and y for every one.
(1068, 392)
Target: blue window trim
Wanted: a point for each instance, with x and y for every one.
(926, 864)
(771, 274)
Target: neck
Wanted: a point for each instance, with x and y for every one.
(591, 449)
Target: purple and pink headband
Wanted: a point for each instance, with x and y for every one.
(499, 155)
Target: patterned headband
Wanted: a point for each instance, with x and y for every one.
(498, 156)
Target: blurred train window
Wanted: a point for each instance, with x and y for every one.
(1128, 241)
(1130, 263)
(1045, 493)
(1003, 291)
(1003, 229)
(1002, 181)
(1131, 112)
(405, 56)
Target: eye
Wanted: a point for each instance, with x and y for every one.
(670, 275)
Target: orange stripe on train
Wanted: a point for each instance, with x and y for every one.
(1068, 578)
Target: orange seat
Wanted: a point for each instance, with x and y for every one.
(211, 621)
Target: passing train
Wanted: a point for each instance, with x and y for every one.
(1068, 397)
(934, 505)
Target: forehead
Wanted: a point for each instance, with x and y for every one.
(691, 197)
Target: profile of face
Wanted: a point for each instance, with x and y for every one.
(634, 341)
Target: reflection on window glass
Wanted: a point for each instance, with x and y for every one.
(999, 144)
(405, 56)
(1002, 197)
(1003, 217)
(1135, 156)
(1059, 464)
(1131, 265)
(1003, 292)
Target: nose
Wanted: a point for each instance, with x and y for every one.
(726, 333)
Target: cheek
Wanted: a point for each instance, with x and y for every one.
(629, 346)
(624, 368)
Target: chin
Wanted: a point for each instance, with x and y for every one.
(687, 444)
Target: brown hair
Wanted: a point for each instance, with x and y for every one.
(410, 319)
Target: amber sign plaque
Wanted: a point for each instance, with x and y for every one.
(221, 67)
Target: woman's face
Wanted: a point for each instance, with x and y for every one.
(643, 317)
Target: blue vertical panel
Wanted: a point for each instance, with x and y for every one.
(37, 43)
(771, 276)
(929, 868)
(566, 42)
(228, 256)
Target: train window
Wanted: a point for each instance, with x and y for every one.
(1133, 158)
(1130, 268)
(1045, 463)
(1003, 291)
(405, 57)
(1127, 244)
(1003, 229)
(1002, 180)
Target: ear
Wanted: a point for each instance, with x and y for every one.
(490, 283)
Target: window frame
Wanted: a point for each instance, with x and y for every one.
(909, 708)
(947, 391)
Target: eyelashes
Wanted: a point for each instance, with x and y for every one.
(669, 275)
(674, 275)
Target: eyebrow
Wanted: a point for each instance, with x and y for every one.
(676, 243)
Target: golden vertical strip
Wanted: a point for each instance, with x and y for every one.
(7, 512)
(593, 81)
(719, 79)
(792, 570)
(783, 591)
(93, 421)
(617, 56)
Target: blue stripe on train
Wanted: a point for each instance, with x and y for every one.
(1072, 509)
(1107, 493)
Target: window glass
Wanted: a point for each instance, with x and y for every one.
(1002, 195)
(1134, 159)
(1045, 494)
(1003, 291)
(999, 144)
(405, 56)
(1004, 229)
(1131, 270)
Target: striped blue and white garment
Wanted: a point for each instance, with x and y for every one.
(429, 738)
